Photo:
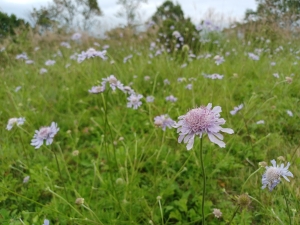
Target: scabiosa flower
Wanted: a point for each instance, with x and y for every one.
(26, 179)
(13, 121)
(217, 213)
(164, 121)
(276, 75)
(253, 56)
(46, 222)
(22, 56)
(18, 88)
(45, 133)
(97, 89)
(214, 76)
(43, 70)
(166, 82)
(113, 82)
(149, 99)
(134, 101)
(199, 121)
(91, 53)
(189, 86)
(76, 36)
(289, 112)
(260, 122)
(273, 174)
(236, 109)
(50, 62)
(171, 98)
(219, 59)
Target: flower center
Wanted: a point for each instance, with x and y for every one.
(199, 119)
(44, 132)
(272, 174)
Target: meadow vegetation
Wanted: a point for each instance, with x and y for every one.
(111, 162)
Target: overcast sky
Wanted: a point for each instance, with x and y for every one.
(196, 9)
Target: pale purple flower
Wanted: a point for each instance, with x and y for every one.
(289, 112)
(276, 75)
(105, 47)
(128, 90)
(26, 179)
(183, 65)
(76, 36)
(253, 56)
(273, 63)
(126, 58)
(113, 83)
(199, 121)
(15, 121)
(166, 82)
(214, 76)
(65, 44)
(29, 61)
(180, 79)
(219, 59)
(236, 109)
(134, 101)
(22, 56)
(43, 70)
(97, 89)
(171, 98)
(189, 86)
(147, 78)
(176, 34)
(149, 99)
(273, 175)
(18, 88)
(91, 53)
(163, 122)
(260, 122)
(46, 222)
(44, 133)
(96, 44)
(50, 62)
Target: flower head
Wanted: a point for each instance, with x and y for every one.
(46, 222)
(273, 174)
(113, 83)
(97, 89)
(171, 98)
(164, 121)
(13, 121)
(134, 101)
(199, 121)
(45, 133)
(217, 213)
(236, 109)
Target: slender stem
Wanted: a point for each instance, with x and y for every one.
(61, 178)
(287, 204)
(249, 177)
(204, 180)
(237, 208)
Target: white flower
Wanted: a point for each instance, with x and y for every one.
(273, 174)
(13, 121)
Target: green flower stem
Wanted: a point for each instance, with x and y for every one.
(287, 204)
(235, 211)
(250, 177)
(204, 181)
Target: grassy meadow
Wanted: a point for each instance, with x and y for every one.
(110, 163)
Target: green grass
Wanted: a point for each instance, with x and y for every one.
(128, 171)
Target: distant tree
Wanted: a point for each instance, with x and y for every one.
(174, 29)
(128, 11)
(276, 10)
(67, 13)
(9, 23)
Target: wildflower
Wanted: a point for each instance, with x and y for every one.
(166, 82)
(164, 121)
(65, 44)
(183, 65)
(217, 213)
(260, 122)
(289, 112)
(45, 133)
(253, 56)
(76, 36)
(189, 86)
(91, 53)
(126, 58)
(18, 88)
(26, 179)
(181, 79)
(46, 222)
(13, 121)
(43, 70)
(22, 56)
(171, 98)
(113, 83)
(214, 76)
(273, 63)
(219, 59)
(289, 80)
(243, 200)
(79, 201)
(128, 90)
(134, 101)
(276, 75)
(50, 62)
(75, 153)
(273, 174)
(97, 89)
(29, 61)
(176, 34)
(149, 99)
(199, 121)
(236, 109)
